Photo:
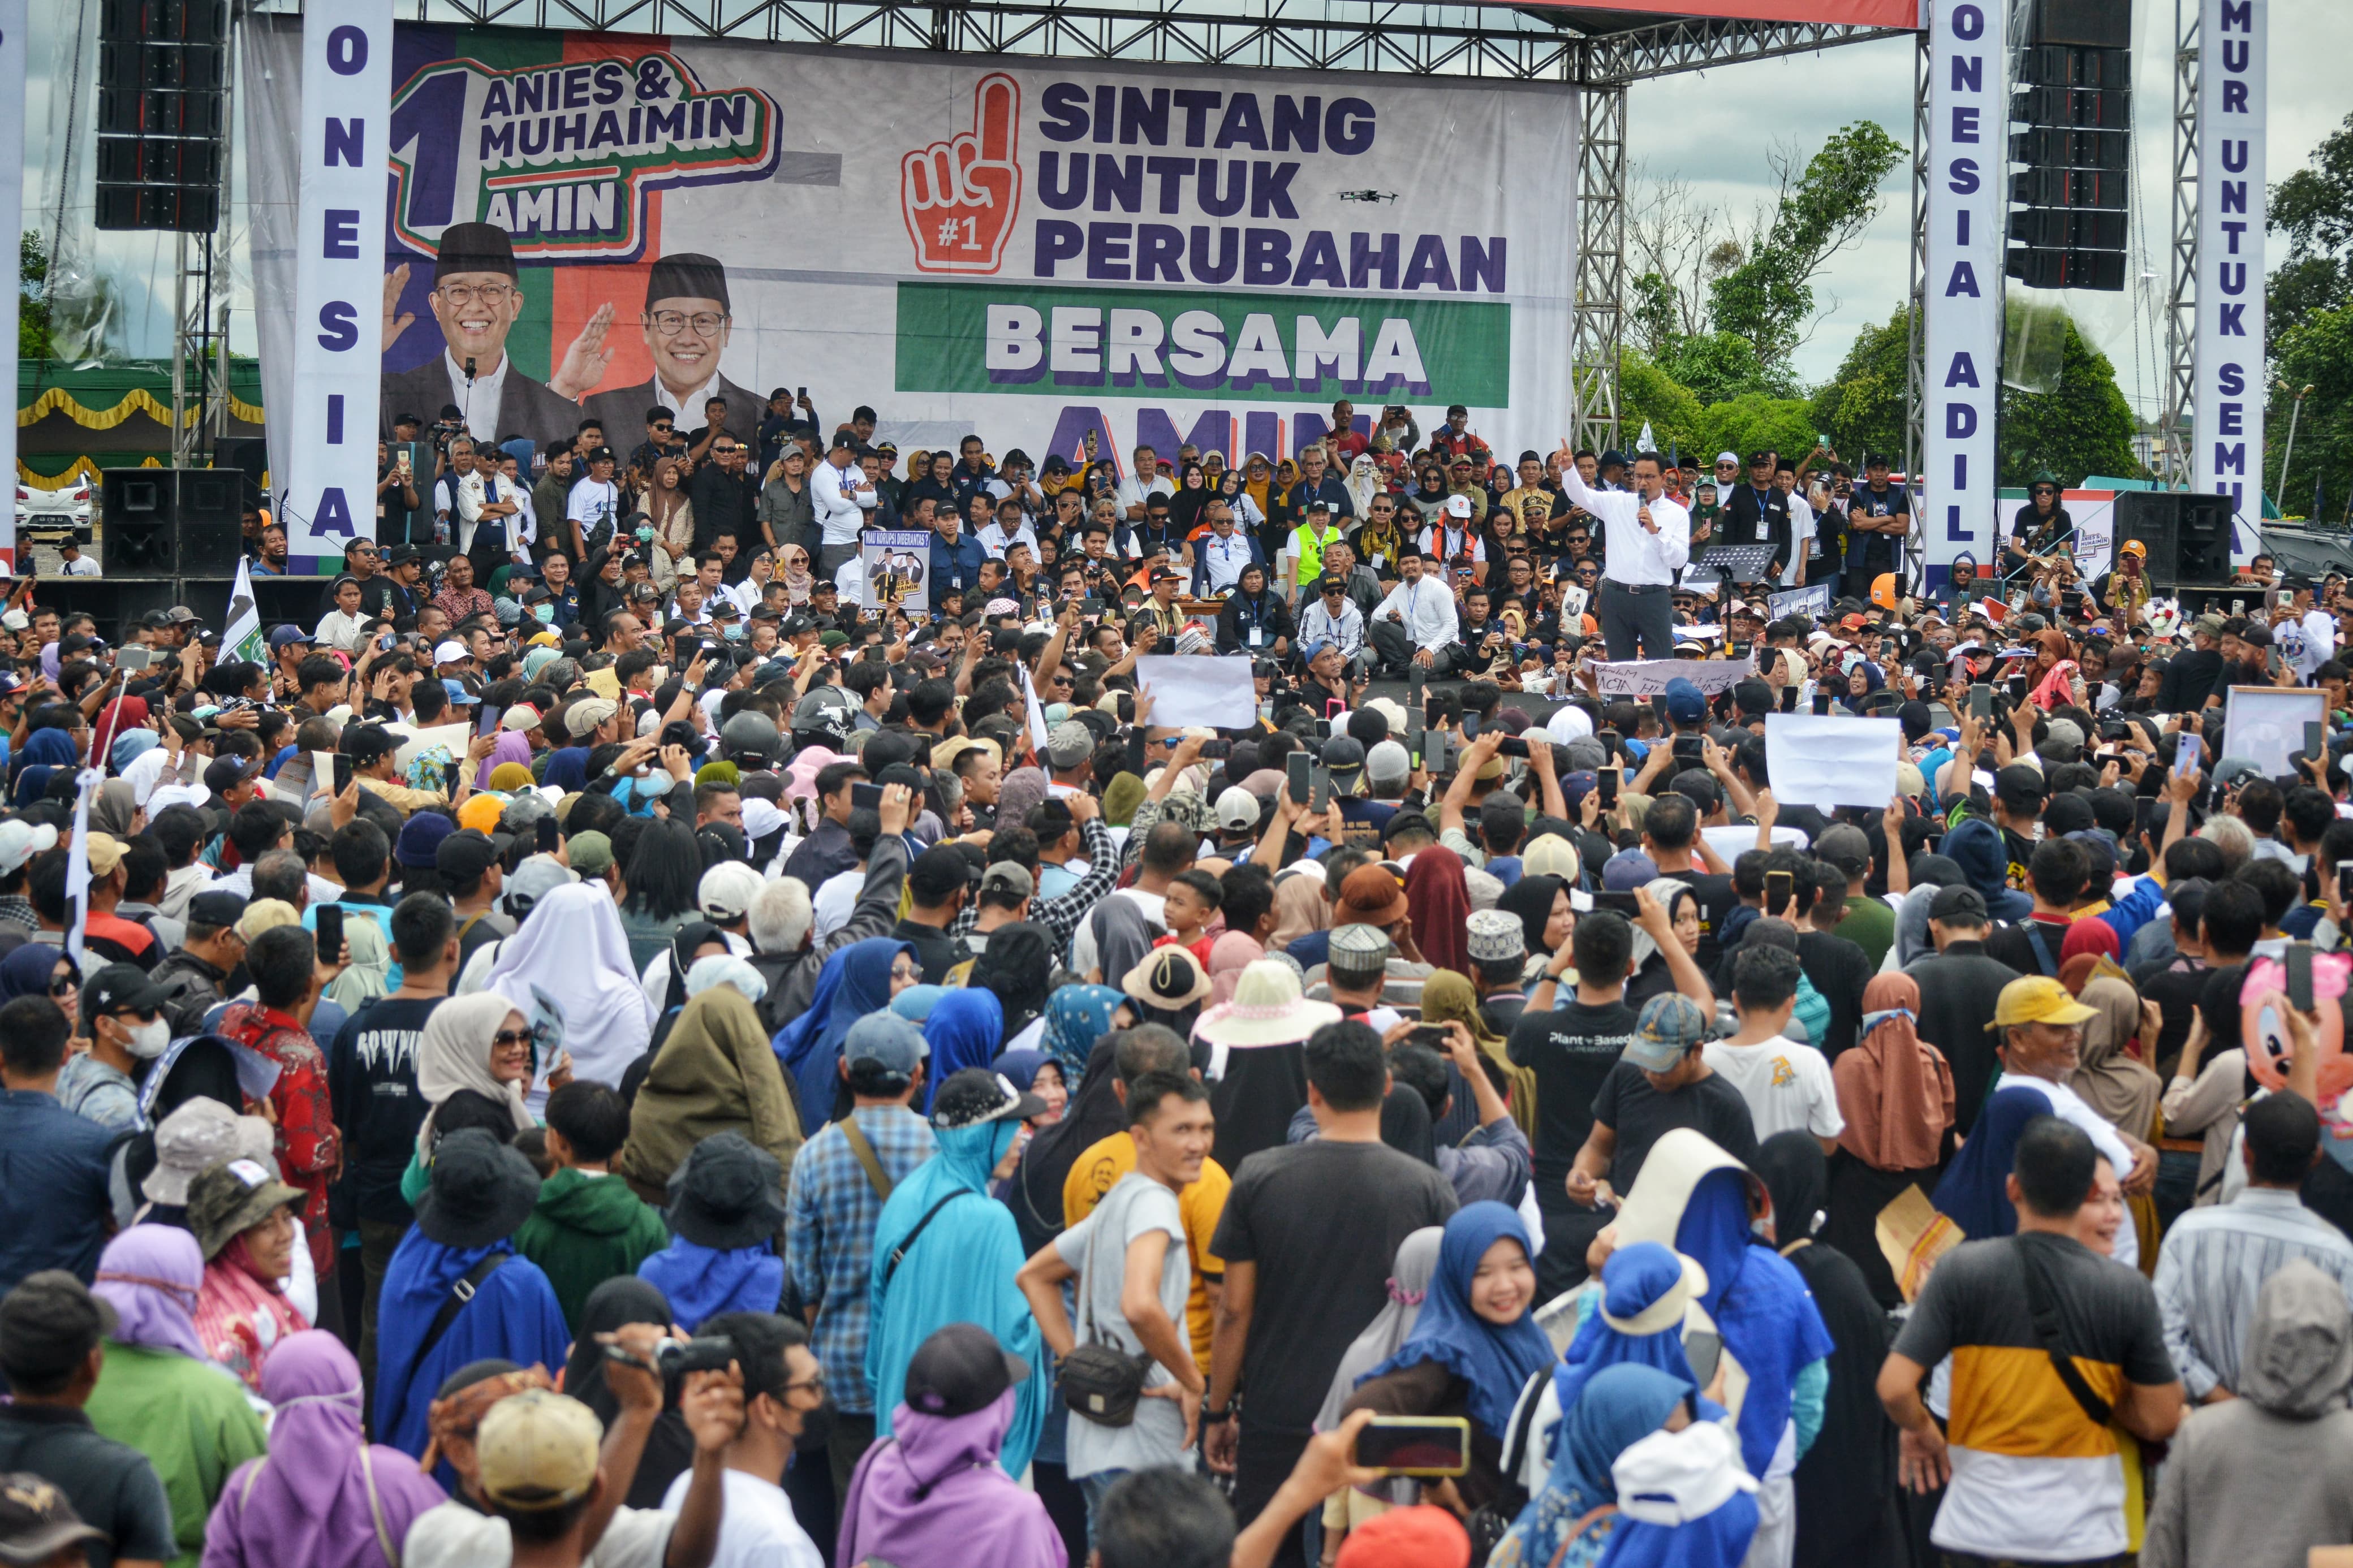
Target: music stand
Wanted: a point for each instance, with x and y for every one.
(1741, 564)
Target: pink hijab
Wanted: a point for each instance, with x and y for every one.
(1228, 956)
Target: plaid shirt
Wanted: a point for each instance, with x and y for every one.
(1061, 914)
(830, 1212)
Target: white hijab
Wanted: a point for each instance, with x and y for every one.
(567, 969)
(1363, 483)
(454, 1053)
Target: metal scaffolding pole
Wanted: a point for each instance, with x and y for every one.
(1600, 326)
(2175, 432)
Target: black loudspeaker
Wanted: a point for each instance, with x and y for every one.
(2188, 536)
(173, 523)
(162, 97)
(2073, 102)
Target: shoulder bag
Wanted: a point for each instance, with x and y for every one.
(1100, 1381)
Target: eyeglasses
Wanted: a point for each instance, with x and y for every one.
(669, 324)
(467, 294)
(814, 1380)
(507, 1038)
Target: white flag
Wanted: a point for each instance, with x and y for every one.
(78, 861)
(241, 635)
(1646, 442)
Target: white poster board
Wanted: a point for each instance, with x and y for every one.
(1198, 688)
(2265, 723)
(1828, 759)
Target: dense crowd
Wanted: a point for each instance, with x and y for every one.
(604, 1047)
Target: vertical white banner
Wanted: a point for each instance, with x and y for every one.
(1969, 152)
(12, 29)
(2227, 426)
(338, 275)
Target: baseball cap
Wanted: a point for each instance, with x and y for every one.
(888, 1040)
(583, 716)
(105, 853)
(119, 988)
(1237, 809)
(37, 1522)
(1686, 704)
(2020, 784)
(464, 856)
(224, 774)
(960, 1369)
(977, 1095)
(217, 909)
(289, 633)
(727, 890)
(1671, 1025)
(537, 1450)
(1459, 506)
(1959, 901)
(1343, 759)
(2038, 999)
(452, 651)
(591, 854)
(1010, 877)
(1844, 847)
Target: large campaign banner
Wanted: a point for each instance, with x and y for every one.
(1968, 148)
(2227, 416)
(593, 225)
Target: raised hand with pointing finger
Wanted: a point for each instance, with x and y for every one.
(959, 195)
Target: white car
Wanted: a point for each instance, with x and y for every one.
(52, 514)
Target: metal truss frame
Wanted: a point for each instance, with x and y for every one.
(2181, 300)
(1489, 43)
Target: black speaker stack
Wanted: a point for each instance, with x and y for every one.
(163, 103)
(2188, 537)
(2072, 100)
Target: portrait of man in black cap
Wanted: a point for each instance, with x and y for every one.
(687, 322)
(477, 297)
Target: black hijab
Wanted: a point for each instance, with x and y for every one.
(1017, 968)
(1405, 1124)
(1846, 1482)
(1529, 900)
(1094, 1114)
(669, 1447)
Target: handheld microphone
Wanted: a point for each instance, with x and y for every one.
(470, 369)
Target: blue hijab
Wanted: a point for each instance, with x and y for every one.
(703, 1282)
(27, 972)
(1762, 1308)
(965, 1030)
(1076, 1018)
(129, 747)
(916, 1002)
(960, 1270)
(1622, 1406)
(1634, 1278)
(566, 768)
(1974, 1193)
(1021, 1068)
(855, 981)
(1496, 1362)
(512, 1316)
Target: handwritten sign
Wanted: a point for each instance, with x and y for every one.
(1649, 676)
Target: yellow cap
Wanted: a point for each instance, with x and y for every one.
(537, 1449)
(2037, 999)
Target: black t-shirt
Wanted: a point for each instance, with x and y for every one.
(1840, 970)
(112, 1487)
(372, 1084)
(2189, 679)
(1322, 1222)
(1867, 553)
(1572, 1051)
(1716, 900)
(2175, 986)
(1641, 1116)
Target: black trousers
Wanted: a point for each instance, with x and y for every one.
(1632, 615)
(1263, 1461)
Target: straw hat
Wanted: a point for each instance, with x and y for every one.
(1267, 1010)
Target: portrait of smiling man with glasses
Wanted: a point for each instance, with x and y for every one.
(475, 300)
(686, 322)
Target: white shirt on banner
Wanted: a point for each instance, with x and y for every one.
(479, 400)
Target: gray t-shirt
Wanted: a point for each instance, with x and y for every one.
(1135, 1206)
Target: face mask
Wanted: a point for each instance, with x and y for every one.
(732, 633)
(146, 1041)
(644, 534)
(545, 613)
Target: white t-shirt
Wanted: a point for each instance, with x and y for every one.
(834, 900)
(1788, 1086)
(757, 1530)
(454, 1536)
(1135, 1206)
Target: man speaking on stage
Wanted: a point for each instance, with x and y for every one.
(1648, 539)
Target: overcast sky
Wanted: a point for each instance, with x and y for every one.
(1711, 128)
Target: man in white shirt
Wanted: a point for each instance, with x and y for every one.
(595, 501)
(1008, 527)
(1415, 623)
(1330, 616)
(1648, 541)
(2040, 1028)
(1788, 1086)
(1146, 481)
(72, 563)
(783, 1387)
(1223, 556)
(844, 499)
(486, 510)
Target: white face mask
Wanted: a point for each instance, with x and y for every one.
(146, 1041)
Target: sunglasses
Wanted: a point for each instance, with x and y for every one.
(663, 429)
(506, 1037)
(1333, 593)
(64, 986)
(905, 971)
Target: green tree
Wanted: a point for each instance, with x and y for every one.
(1768, 298)
(2317, 353)
(2083, 425)
(1752, 422)
(2314, 207)
(1861, 408)
(1718, 366)
(32, 298)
